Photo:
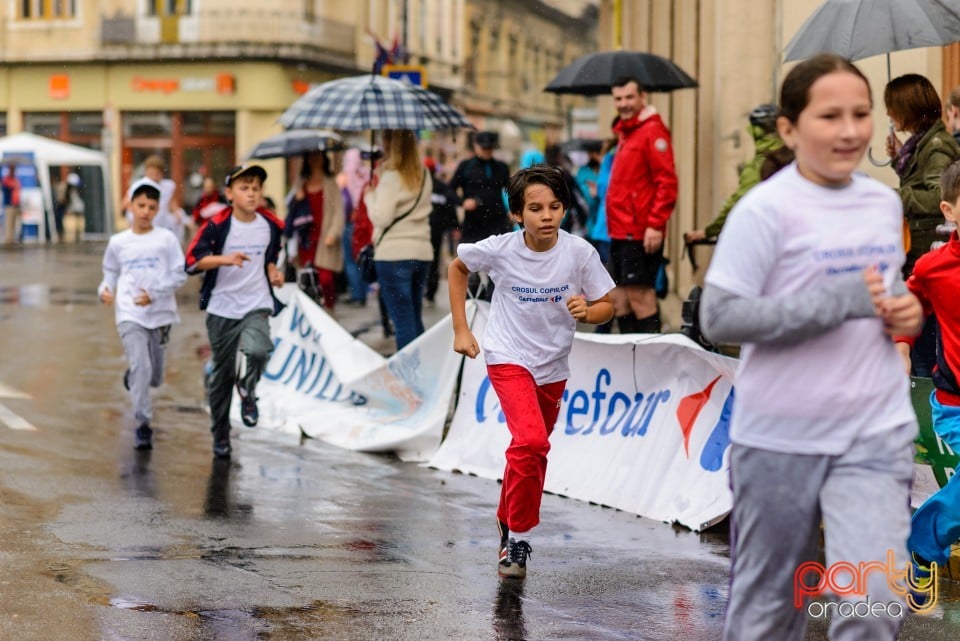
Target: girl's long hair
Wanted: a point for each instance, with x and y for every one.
(403, 156)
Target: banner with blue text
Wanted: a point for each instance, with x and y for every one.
(643, 427)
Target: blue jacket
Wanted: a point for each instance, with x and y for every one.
(599, 229)
(209, 242)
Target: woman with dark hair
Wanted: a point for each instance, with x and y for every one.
(914, 107)
(315, 216)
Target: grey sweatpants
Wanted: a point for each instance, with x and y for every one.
(250, 336)
(145, 349)
(779, 500)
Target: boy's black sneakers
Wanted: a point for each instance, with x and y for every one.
(513, 559)
(143, 438)
(221, 442)
(249, 413)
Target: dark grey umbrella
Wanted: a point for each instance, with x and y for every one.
(296, 142)
(594, 73)
(858, 29)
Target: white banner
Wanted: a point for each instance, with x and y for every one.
(322, 381)
(643, 427)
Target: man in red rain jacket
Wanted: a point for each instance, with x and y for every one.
(640, 199)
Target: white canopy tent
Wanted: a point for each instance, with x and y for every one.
(91, 165)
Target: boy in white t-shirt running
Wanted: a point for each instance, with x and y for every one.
(237, 252)
(546, 280)
(142, 269)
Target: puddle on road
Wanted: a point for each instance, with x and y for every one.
(42, 296)
(254, 623)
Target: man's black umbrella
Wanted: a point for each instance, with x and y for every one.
(594, 73)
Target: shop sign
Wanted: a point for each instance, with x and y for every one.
(222, 83)
(58, 87)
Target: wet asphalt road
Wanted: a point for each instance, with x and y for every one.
(292, 539)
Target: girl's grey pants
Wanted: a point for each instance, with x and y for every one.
(779, 500)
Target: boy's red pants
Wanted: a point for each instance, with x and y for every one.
(531, 411)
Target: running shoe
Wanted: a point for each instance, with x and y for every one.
(221, 441)
(249, 413)
(922, 577)
(513, 559)
(143, 438)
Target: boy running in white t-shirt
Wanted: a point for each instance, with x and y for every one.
(236, 250)
(142, 269)
(546, 280)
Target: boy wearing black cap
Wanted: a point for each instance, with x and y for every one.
(142, 270)
(237, 251)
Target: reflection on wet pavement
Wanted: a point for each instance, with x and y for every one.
(41, 295)
(218, 500)
(508, 623)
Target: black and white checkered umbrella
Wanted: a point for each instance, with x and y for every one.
(371, 103)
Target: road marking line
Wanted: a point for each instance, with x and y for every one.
(8, 392)
(14, 421)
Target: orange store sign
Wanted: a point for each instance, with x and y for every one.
(222, 83)
(59, 86)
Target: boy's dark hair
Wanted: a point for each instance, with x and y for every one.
(950, 183)
(546, 175)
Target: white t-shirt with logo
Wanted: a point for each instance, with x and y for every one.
(240, 290)
(529, 323)
(137, 263)
(790, 235)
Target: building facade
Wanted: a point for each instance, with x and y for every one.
(200, 82)
(734, 49)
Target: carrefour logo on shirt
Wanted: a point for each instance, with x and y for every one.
(540, 294)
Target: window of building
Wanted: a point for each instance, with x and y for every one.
(3, 124)
(84, 128)
(309, 10)
(209, 123)
(169, 7)
(47, 9)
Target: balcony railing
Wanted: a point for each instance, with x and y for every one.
(217, 27)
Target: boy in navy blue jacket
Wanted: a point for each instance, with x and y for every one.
(237, 251)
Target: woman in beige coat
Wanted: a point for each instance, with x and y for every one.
(399, 208)
(315, 217)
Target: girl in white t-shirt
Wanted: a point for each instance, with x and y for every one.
(546, 280)
(807, 276)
